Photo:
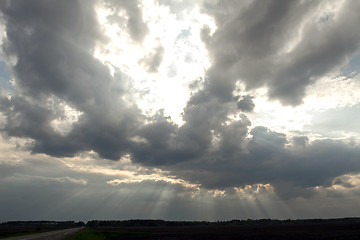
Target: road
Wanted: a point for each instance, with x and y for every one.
(53, 235)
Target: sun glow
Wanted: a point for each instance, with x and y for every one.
(165, 63)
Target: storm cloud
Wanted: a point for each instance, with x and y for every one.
(53, 43)
(283, 45)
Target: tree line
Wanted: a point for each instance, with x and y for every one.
(164, 223)
(235, 222)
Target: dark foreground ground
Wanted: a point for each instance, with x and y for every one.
(53, 235)
(20, 228)
(12, 231)
(280, 231)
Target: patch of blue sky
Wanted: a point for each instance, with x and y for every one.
(352, 68)
(185, 34)
(324, 18)
(5, 79)
(329, 123)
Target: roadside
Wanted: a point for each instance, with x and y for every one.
(54, 235)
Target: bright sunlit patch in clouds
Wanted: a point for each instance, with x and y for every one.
(123, 171)
(63, 124)
(335, 92)
(175, 43)
(327, 94)
(135, 178)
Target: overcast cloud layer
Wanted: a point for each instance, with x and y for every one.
(65, 104)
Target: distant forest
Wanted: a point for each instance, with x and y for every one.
(163, 223)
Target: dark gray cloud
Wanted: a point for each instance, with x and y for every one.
(53, 45)
(300, 142)
(217, 153)
(246, 104)
(266, 159)
(283, 45)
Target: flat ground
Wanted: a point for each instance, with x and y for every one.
(254, 232)
(53, 235)
(13, 231)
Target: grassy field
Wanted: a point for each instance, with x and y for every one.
(320, 231)
(107, 233)
(12, 231)
(294, 230)
(88, 234)
(20, 228)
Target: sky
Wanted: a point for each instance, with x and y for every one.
(179, 109)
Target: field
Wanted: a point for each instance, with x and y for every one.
(13, 231)
(19, 228)
(273, 231)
